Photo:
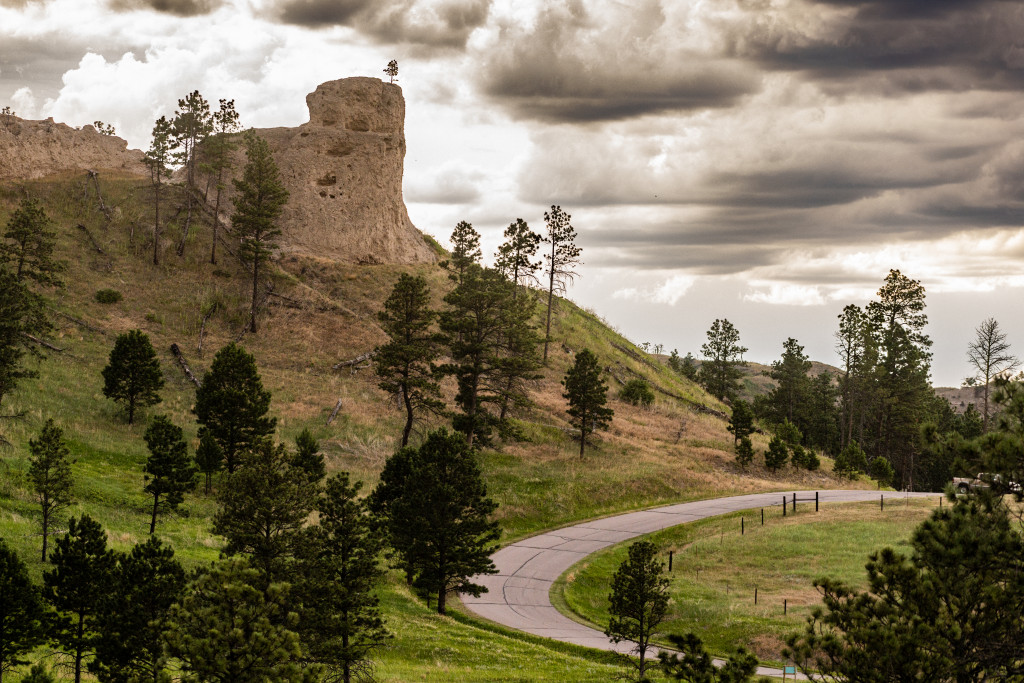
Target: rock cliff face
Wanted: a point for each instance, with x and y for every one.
(343, 171)
(33, 149)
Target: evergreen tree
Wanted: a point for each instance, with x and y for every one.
(38, 674)
(263, 508)
(132, 375)
(789, 399)
(465, 251)
(158, 157)
(21, 314)
(720, 372)
(209, 456)
(821, 418)
(587, 394)
(881, 471)
(744, 452)
(231, 628)
(50, 474)
(391, 70)
(259, 200)
(560, 260)
(341, 621)
(405, 364)
(741, 422)
(21, 612)
(192, 124)
(308, 457)
(789, 433)
(130, 645)
(689, 367)
(77, 586)
(639, 601)
(218, 151)
(951, 611)
(28, 249)
(777, 454)
(514, 258)
(492, 347)
(693, 664)
(438, 516)
(231, 404)
(170, 473)
(850, 461)
(857, 354)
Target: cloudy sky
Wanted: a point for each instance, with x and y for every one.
(767, 161)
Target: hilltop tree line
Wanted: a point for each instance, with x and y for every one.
(294, 597)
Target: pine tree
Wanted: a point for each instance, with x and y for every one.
(50, 474)
(130, 646)
(308, 457)
(21, 612)
(639, 601)
(850, 461)
(790, 398)
(391, 70)
(405, 364)
(562, 258)
(21, 314)
(232, 405)
(259, 200)
(777, 454)
(744, 452)
(209, 456)
(720, 373)
(77, 586)
(170, 473)
(989, 354)
(465, 251)
(341, 621)
(38, 674)
(132, 375)
(158, 157)
(192, 124)
(232, 628)
(694, 665)
(263, 509)
(514, 258)
(28, 249)
(439, 517)
(741, 422)
(218, 149)
(587, 394)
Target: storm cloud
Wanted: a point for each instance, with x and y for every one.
(181, 8)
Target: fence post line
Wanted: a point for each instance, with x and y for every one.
(794, 502)
(881, 502)
(815, 501)
(762, 516)
(785, 606)
(670, 560)
(742, 526)
(755, 595)
(783, 506)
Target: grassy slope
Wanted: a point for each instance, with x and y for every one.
(716, 570)
(666, 453)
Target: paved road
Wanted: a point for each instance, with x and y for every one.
(517, 595)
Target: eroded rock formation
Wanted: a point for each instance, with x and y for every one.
(34, 149)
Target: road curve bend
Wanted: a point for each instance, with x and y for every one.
(518, 595)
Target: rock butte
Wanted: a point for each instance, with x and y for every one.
(343, 171)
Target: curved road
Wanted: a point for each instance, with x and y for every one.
(517, 595)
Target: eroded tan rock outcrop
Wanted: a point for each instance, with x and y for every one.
(34, 149)
(343, 171)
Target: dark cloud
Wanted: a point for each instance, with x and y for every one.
(444, 24)
(181, 8)
(607, 62)
(895, 46)
(39, 62)
(19, 4)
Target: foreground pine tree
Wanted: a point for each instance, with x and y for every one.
(438, 515)
(132, 375)
(341, 621)
(21, 612)
(78, 586)
(639, 601)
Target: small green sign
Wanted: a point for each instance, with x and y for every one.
(790, 670)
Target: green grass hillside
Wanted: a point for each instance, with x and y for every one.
(321, 313)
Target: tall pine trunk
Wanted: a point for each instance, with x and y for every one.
(408, 416)
(255, 287)
(156, 224)
(216, 217)
(152, 523)
(551, 296)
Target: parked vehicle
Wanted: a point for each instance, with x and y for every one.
(984, 480)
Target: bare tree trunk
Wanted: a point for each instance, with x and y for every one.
(547, 328)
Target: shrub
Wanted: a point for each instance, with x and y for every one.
(811, 461)
(798, 456)
(850, 461)
(108, 296)
(776, 455)
(637, 392)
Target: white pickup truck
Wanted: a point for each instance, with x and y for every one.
(983, 481)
